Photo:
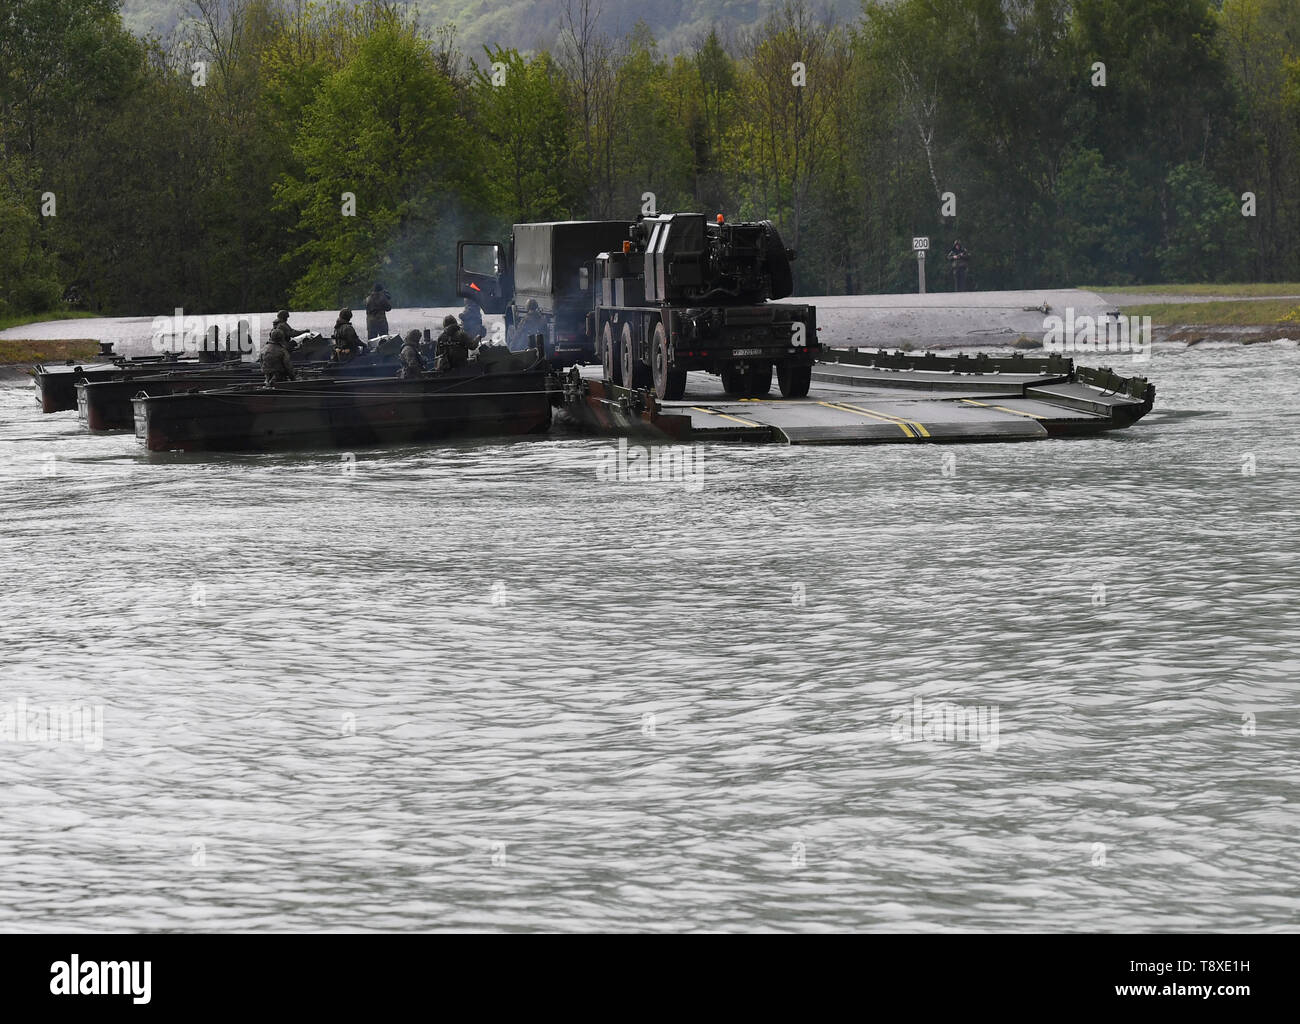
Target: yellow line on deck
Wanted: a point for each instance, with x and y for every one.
(723, 415)
(1020, 412)
(1003, 408)
(914, 424)
(877, 416)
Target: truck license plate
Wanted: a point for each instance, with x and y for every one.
(746, 351)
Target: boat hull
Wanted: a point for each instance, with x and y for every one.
(56, 386)
(105, 406)
(346, 413)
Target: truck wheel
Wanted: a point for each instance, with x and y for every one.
(609, 356)
(793, 380)
(670, 384)
(635, 373)
(759, 380)
(733, 381)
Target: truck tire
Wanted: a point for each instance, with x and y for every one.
(758, 381)
(670, 384)
(635, 373)
(733, 381)
(793, 381)
(609, 356)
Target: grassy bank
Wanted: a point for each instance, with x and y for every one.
(1250, 313)
(39, 318)
(1282, 288)
(19, 351)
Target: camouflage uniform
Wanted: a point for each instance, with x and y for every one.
(378, 303)
(410, 358)
(472, 319)
(276, 364)
(454, 345)
(532, 323)
(286, 333)
(347, 345)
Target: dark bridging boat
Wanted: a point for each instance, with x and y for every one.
(505, 393)
(106, 405)
(56, 386)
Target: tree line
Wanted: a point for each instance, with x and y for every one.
(277, 152)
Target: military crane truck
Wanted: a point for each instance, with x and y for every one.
(551, 263)
(685, 293)
(652, 299)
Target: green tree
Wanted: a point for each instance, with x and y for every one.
(385, 130)
(793, 82)
(1259, 40)
(1207, 237)
(1098, 229)
(651, 145)
(520, 116)
(29, 279)
(710, 77)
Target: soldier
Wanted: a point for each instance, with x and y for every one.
(276, 364)
(532, 323)
(346, 343)
(472, 319)
(410, 358)
(378, 303)
(454, 345)
(286, 332)
(959, 257)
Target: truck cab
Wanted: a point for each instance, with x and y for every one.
(552, 263)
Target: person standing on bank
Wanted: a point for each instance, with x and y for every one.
(378, 303)
(959, 257)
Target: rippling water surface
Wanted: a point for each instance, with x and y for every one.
(473, 687)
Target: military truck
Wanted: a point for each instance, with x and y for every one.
(551, 263)
(652, 299)
(685, 293)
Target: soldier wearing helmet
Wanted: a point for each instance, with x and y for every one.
(532, 323)
(286, 333)
(347, 345)
(276, 362)
(412, 363)
(454, 345)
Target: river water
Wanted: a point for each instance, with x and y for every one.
(477, 687)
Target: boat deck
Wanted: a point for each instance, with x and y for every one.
(856, 403)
